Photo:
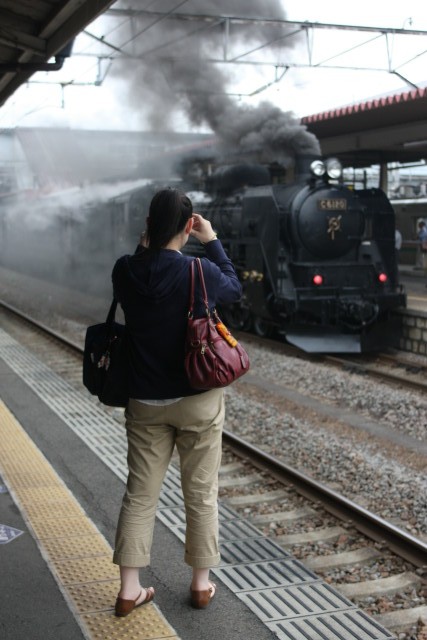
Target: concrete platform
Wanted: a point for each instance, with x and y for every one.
(58, 443)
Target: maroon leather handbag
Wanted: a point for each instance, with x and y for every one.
(213, 358)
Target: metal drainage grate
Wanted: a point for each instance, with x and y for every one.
(231, 530)
(227, 513)
(170, 499)
(251, 550)
(279, 573)
(294, 601)
(343, 625)
(172, 482)
(175, 517)
(224, 514)
(238, 530)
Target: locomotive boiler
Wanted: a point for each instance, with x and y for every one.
(316, 258)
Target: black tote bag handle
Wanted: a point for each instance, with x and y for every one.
(111, 318)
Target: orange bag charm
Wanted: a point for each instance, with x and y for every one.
(222, 330)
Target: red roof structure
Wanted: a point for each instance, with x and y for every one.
(386, 129)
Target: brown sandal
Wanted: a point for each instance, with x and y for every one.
(201, 599)
(125, 607)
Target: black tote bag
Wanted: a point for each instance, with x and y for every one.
(106, 362)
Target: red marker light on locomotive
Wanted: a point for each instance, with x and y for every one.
(317, 279)
(382, 277)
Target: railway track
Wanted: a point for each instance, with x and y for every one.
(388, 368)
(396, 369)
(348, 547)
(330, 534)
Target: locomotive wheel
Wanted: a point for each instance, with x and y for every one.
(237, 318)
(262, 328)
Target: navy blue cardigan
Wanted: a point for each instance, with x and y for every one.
(153, 290)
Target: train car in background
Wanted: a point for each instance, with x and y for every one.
(71, 236)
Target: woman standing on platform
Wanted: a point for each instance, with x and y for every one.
(152, 287)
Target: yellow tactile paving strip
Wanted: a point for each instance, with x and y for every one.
(77, 554)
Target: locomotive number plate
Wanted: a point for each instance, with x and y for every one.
(332, 204)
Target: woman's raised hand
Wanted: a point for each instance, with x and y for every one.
(202, 229)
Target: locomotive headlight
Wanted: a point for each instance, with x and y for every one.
(318, 168)
(333, 168)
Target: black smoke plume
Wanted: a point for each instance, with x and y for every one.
(171, 73)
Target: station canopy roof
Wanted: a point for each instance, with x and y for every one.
(35, 31)
(37, 35)
(387, 129)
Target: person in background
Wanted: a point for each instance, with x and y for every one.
(397, 240)
(422, 237)
(152, 287)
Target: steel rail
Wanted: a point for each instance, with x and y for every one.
(400, 542)
(43, 327)
(370, 370)
(342, 362)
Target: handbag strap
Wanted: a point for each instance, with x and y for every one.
(112, 312)
(198, 262)
(111, 316)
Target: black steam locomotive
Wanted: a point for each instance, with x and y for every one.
(317, 259)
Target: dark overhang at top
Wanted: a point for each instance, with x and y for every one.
(33, 32)
(388, 129)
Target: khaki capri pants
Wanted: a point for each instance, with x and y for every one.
(195, 425)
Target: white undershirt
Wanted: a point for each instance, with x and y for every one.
(159, 403)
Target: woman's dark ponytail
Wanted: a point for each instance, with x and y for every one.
(169, 212)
